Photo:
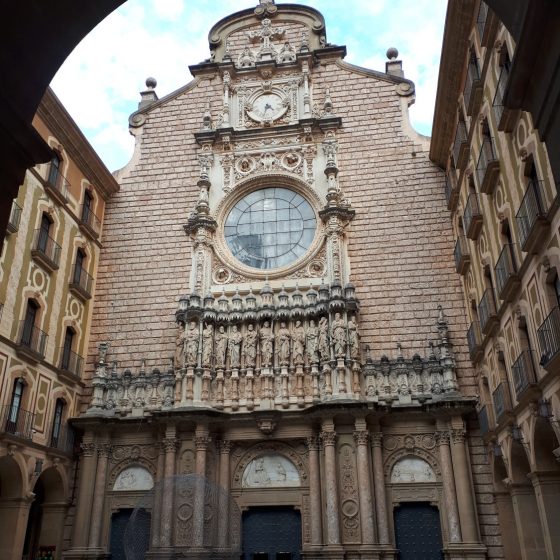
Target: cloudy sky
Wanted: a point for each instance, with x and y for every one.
(100, 81)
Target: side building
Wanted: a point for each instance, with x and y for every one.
(48, 262)
(278, 314)
(504, 200)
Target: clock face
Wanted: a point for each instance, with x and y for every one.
(270, 228)
(268, 106)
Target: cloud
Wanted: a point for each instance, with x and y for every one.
(100, 81)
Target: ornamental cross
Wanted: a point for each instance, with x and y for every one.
(266, 33)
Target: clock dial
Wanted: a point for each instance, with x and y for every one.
(268, 106)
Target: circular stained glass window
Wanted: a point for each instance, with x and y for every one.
(270, 228)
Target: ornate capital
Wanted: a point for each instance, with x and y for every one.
(443, 438)
(88, 449)
(201, 443)
(224, 446)
(328, 438)
(361, 437)
(313, 443)
(104, 449)
(170, 445)
(458, 436)
(376, 439)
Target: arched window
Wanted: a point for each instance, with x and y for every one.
(57, 422)
(44, 233)
(87, 208)
(79, 266)
(15, 406)
(54, 170)
(66, 355)
(28, 325)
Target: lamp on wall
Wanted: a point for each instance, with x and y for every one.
(497, 449)
(38, 467)
(517, 434)
(544, 409)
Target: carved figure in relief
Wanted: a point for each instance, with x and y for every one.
(234, 347)
(179, 357)
(324, 338)
(311, 339)
(221, 341)
(246, 58)
(298, 343)
(250, 346)
(353, 340)
(287, 54)
(339, 336)
(267, 342)
(191, 346)
(207, 345)
(283, 349)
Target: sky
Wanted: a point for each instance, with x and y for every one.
(99, 83)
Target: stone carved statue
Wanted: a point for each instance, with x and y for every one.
(267, 342)
(283, 348)
(179, 357)
(191, 345)
(234, 347)
(250, 347)
(286, 54)
(339, 336)
(311, 339)
(298, 343)
(221, 340)
(207, 345)
(246, 58)
(353, 340)
(324, 351)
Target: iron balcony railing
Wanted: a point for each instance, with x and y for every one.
(71, 362)
(474, 339)
(472, 217)
(17, 422)
(63, 440)
(57, 182)
(81, 280)
(549, 337)
(487, 311)
(501, 400)
(530, 212)
(32, 338)
(499, 96)
(523, 372)
(472, 84)
(483, 420)
(90, 220)
(47, 247)
(460, 145)
(15, 218)
(481, 20)
(486, 166)
(505, 269)
(462, 254)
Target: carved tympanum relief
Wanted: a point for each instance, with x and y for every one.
(133, 479)
(270, 471)
(412, 469)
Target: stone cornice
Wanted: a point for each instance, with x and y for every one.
(57, 119)
(458, 25)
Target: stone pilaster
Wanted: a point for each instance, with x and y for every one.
(169, 445)
(361, 437)
(201, 442)
(379, 486)
(449, 493)
(224, 448)
(158, 495)
(316, 511)
(328, 437)
(103, 452)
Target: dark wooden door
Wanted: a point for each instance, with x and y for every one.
(130, 542)
(418, 532)
(271, 534)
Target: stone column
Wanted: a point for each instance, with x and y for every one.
(465, 499)
(158, 496)
(85, 496)
(379, 485)
(449, 493)
(201, 441)
(361, 438)
(224, 448)
(316, 511)
(103, 452)
(169, 445)
(547, 494)
(328, 436)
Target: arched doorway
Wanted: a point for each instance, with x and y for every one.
(13, 509)
(45, 523)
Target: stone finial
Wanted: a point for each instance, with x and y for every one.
(151, 83)
(149, 95)
(393, 66)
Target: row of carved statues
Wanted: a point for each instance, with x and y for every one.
(267, 344)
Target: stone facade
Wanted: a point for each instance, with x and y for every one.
(503, 200)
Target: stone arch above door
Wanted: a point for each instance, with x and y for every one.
(133, 478)
(412, 469)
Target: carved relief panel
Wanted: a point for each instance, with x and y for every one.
(348, 488)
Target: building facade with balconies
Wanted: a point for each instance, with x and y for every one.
(47, 265)
(504, 209)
